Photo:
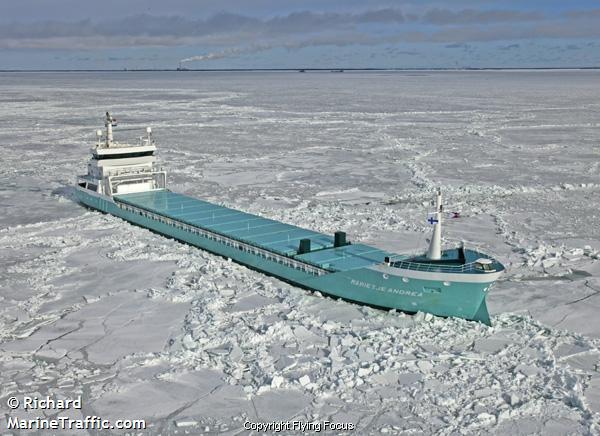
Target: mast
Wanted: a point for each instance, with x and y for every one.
(109, 133)
(149, 135)
(99, 138)
(435, 246)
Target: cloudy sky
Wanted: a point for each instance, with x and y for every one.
(111, 34)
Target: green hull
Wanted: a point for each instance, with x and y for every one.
(463, 300)
(363, 285)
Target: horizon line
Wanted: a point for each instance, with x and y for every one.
(298, 69)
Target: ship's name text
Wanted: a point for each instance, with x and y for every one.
(375, 287)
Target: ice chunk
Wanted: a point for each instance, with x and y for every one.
(182, 423)
(425, 366)
(385, 378)
(592, 394)
(277, 381)
(189, 342)
(486, 419)
(91, 298)
(566, 349)
(484, 392)
(364, 372)
(304, 380)
(280, 404)
(511, 398)
(409, 378)
(348, 341)
(51, 354)
(490, 344)
(227, 292)
(578, 251)
(263, 389)
(549, 263)
(528, 370)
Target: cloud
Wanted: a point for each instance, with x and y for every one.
(143, 25)
(338, 40)
(590, 13)
(456, 45)
(504, 32)
(229, 34)
(150, 27)
(381, 16)
(471, 16)
(395, 51)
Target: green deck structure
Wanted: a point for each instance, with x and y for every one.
(262, 232)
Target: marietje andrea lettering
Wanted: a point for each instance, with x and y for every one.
(375, 287)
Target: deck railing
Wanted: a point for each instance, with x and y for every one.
(433, 267)
(155, 169)
(228, 241)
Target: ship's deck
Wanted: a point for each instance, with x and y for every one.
(261, 232)
(347, 257)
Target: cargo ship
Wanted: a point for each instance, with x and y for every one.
(125, 180)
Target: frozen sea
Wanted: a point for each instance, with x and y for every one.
(144, 327)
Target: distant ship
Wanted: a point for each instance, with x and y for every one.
(125, 180)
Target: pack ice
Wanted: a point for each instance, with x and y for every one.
(144, 327)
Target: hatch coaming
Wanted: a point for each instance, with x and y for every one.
(262, 232)
(231, 246)
(347, 257)
(268, 234)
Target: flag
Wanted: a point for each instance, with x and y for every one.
(432, 218)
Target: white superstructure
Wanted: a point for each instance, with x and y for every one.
(119, 168)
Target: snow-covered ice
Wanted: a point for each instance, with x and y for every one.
(144, 327)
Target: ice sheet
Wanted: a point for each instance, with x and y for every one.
(143, 326)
